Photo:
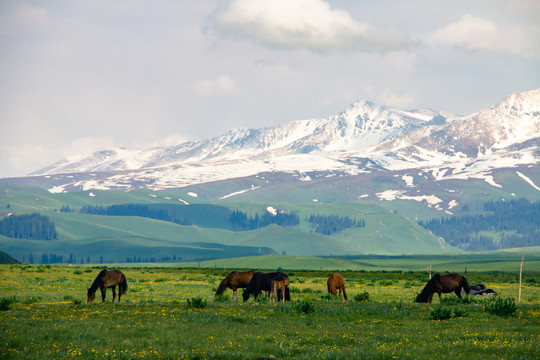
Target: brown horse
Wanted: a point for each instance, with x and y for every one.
(443, 284)
(279, 285)
(108, 279)
(336, 283)
(234, 281)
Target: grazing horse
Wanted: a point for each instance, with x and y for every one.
(263, 282)
(235, 280)
(108, 279)
(336, 283)
(281, 285)
(443, 284)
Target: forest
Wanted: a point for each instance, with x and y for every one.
(28, 226)
(515, 221)
(133, 210)
(331, 224)
(240, 221)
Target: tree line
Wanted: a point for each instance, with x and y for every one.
(28, 226)
(331, 224)
(240, 221)
(133, 210)
(322, 224)
(516, 222)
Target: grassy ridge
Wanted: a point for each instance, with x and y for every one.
(85, 235)
(475, 262)
(155, 321)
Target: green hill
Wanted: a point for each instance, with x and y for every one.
(83, 237)
(6, 259)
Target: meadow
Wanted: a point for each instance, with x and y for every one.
(171, 313)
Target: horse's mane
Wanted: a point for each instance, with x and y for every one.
(224, 284)
(430, 286)
(98, 281)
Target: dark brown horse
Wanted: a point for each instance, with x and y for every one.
(234, 281)
(336, 283)
(443, 284)
(263, 282)
(108, 279)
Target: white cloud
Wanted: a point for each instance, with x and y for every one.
(223, 84)
(27, 158)
(475, 33)
(308, 24)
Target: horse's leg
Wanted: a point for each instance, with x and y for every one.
(344, 293)
(234, 294)
(103, 290)
(113, 293)
(458, 292)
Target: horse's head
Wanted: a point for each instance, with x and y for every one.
(421, 298)
(91, 295)
(245, 295)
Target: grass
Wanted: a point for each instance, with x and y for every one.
(162, 317)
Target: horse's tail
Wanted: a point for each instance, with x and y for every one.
(465, 285)
(344, 293)
(124, 286)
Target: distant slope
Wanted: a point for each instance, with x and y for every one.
(473, 263)
(119, 238)
(6, 259)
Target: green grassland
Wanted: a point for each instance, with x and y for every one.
(44, 315)
(480, 262)
(116, 238)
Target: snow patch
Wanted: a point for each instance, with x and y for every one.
(452, 204)
(92, 194)
(489, 179)
(240, 192)
(57, 189)
(390, 195)
(272, 210)
(529, 181)
(409, 180)
(183, 201)
(152, 195)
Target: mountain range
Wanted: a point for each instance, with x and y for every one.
(365, 138)
(389, 168)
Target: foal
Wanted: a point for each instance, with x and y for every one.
(277, 286)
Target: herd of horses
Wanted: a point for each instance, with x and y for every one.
(275, 284)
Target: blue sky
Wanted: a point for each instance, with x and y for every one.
(81, 76)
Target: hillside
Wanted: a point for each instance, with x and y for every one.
(7, 259)
(85, 238)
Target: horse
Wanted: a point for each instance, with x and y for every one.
(336, 283)
(263, 282)
(235, 280)
(443, 284)
(277, 286)
(108, 279)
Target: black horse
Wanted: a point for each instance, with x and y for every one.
(443, 284)
(263, 282)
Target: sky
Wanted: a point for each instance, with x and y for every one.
(87, 75)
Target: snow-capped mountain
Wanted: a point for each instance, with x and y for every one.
(365, 137)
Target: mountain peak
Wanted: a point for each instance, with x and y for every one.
(387, 137)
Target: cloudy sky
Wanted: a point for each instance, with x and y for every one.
(80, 76)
